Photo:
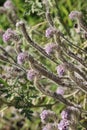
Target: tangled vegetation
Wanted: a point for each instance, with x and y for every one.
(43, 65)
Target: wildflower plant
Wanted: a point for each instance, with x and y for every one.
(43, 69)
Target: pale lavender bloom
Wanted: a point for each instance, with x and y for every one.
(63, 125)
(9, 35)
(50, 47)
(46, 115)
(8, 4)
(22, 57)
(61, 69)
(60, 90)
(75, 14)
(50, 126)
(65, 114)
(49, 32)
(31, 74)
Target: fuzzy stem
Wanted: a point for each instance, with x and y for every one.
(35, 45)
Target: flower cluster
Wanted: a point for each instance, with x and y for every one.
(50, 47)
(61, 69)
(63, 125)
(8, 4)
(75, 14)
(60, 90)
(65, 122)
(65, 114)
(31, 74)
(69, 117)
(49, 32)
(10, 35)
(46, 115)
(22, 57)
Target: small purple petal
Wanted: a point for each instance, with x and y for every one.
(21, 58)
(46, 114)
(9, 35)
(63, 125)
(65, 114)
(60, 90)
(31, 74)
(49, 32)
(61, 69)
(50, 47)
(75, 14)
(8, 4)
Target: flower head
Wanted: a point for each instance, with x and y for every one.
(9, 35)
(50, 47)
(60, 90)
(21, 58)
(31, 74)
(75, 14)
(46, 115)
(49, 32)
(8, 4)
(61, 69)
(65, 114)
(63, 125)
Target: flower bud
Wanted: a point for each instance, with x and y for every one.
(46, 115)
(65, 114)
(31, 74)
(10, 35)
(8, 4)
(60, 90)
(22, 57)
(61, 69)
(50, 31)
(50, 47)
(75, 14)
(63, 125)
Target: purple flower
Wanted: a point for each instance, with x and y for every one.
(46, 115)
(63, 125)
(50, 47)
(65, 114)
(21, 58)
(75, 14)
(9, 35)
(31, 74)
(60, 90)
(49, 32)
(8, 4)
(61, 69)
